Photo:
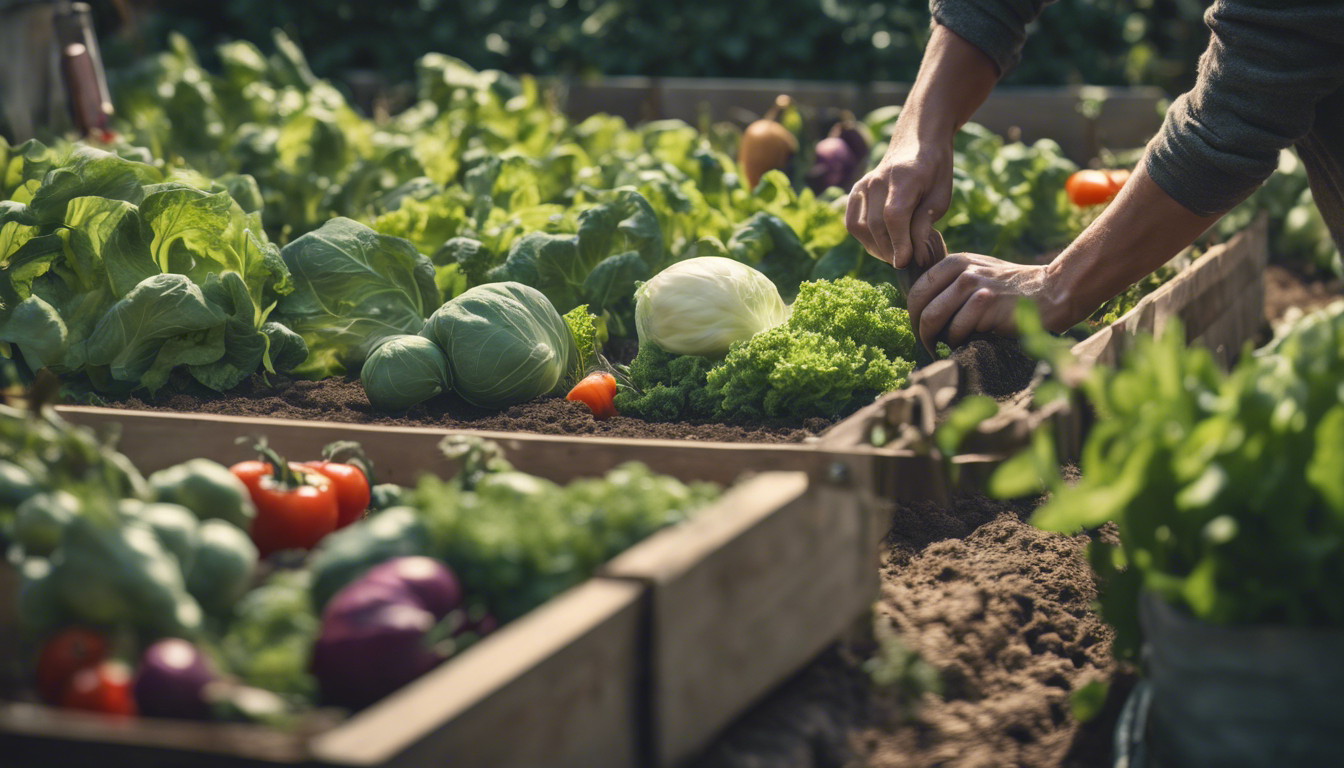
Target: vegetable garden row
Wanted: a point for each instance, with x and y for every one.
(479, 251)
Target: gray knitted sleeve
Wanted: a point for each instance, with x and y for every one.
(996, 27)
(1267, 67)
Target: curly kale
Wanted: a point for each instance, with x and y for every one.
(791, 373)
(864, 313)
(667, 387)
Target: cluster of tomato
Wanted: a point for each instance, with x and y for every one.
(302, 502)
(74, 671)
(1088, 188)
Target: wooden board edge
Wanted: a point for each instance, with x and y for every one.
(673, 550)
(57, 732)
(153, 441)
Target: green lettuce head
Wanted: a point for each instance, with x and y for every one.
(505, 342)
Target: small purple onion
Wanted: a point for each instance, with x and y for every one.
(171, 681)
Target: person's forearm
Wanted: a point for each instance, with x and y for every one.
(1140, 231)
(954, 79)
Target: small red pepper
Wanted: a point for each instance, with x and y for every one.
(598, 392)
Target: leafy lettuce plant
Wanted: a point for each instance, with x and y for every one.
(113, 272)
(352, 288)
(1227, 489)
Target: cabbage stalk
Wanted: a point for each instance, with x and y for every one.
(702, 306)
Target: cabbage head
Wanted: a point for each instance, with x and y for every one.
(701, 306)
(403, 371)
(505, 342)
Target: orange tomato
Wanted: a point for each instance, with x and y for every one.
(1118, 177)
(597, 391)
(1087, 188)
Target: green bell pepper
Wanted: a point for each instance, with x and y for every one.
(206, 488)
(346, 554)
(224, 564)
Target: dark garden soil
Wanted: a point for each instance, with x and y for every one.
(344, 401)
(994, 366)
(1001, 610)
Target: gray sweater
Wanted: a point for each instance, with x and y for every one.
(1272, 77)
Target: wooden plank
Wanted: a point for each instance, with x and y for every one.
(559, 687)
(154, 440)
(1124, 117)
(33, 735)
(744, 598)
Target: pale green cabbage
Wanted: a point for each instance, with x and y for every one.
(701, 306)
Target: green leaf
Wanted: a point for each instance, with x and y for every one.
(244, 346)
(38, 331)
(353, 287)
(118, 239)
(128, 338)
(613, 280)
(31, 261)
(1088, 701)
(89, 173)
(962, 420)
(1325, 472)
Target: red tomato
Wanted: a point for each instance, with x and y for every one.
(352, 488)
(293, 515)
(1087, 188)
(1118, 177)
(64, 654)
(597, 391)
(104, 687)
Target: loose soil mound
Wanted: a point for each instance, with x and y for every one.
(994, 366)
(344, 401)
(1001, 609)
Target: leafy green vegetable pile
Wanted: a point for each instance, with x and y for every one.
(844, 343)
(101, 549)
(1227, 488)
(115, 270)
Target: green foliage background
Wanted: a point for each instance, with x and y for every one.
(1103, 42)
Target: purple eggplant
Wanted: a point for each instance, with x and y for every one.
(171, 681)
(833, 167)
(377, 632)
(841, 157)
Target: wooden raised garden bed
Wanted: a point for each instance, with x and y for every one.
(1083, 119)
(642, 665)
(1218, 298)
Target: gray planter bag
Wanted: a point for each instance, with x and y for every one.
(1232, 696)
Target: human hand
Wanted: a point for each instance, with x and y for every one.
(968, 293)
(892, 209)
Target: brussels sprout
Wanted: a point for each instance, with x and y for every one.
(403, 371)
(506, 344)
